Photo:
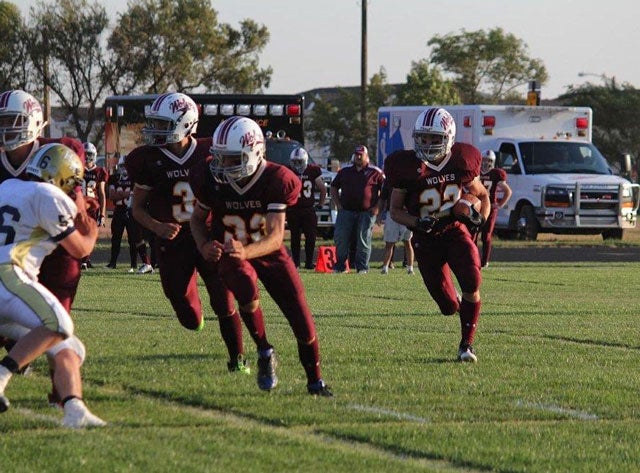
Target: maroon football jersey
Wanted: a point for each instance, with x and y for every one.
(240, 212)
(432, 188)
(491, 179)
(92, 177)
(308, 179)
(120, 181)
(166, 176)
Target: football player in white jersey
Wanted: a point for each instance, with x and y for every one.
(37, 216)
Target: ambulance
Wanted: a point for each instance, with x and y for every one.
(561, 182)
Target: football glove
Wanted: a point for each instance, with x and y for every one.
(474, 220)
(424, 224)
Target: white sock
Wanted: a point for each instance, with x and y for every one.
(5, 376)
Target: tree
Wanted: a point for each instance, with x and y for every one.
(425, 85)
(486, 65)
(65, 46)
(178, 45)
(14, 65)
(616, 130)
(336, 122)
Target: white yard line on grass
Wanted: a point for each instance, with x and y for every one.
(40, 417)
(389, 413)
(582, 415)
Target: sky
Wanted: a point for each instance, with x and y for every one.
(317, 43)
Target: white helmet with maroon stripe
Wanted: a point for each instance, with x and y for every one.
(21, 119)
(434, 134)
(170, 119)
(238, 149)
(298, 160)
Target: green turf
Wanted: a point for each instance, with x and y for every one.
(556, 388)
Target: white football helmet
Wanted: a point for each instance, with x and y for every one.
(21, 119)
(90, 153)
(430, 124)
(488, 161)
(58, 165)
(298, 160)
(240, 138)
(170, 119)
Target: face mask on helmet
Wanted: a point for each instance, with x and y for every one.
(488, 161)
(170, 119)
(298, 160)
(21, 119)
(90, 154)
(58, 165)
(238, 149)
(433, 135)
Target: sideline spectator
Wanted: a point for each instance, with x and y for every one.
(355, 191)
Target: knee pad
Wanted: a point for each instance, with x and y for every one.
(72, 343)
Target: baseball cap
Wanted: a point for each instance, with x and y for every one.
(361, 149)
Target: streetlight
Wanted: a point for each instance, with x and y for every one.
(607, 80)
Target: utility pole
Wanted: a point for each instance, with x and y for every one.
(47, 93)
(363, 72)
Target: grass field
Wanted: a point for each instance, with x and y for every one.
(556, 388)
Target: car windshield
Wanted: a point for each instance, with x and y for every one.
(278, 151)
(562, 158)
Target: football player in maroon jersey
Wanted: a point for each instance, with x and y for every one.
(94, 187)
(21, 123)
(163, 203)
(426, 182)
(301, 217)
(120, 189)
(246, 197)
(493, 179)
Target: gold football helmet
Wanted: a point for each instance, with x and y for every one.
(58, 165)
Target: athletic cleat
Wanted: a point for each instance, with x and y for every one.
(145, 269)
(78, 416)
(4, 403)
(410, 271)
(384, 270)
(363, 271)
(467, 354)
(310, 266)
(131, 270)
(84, 266)
(239, 366)
(267, 379)
(319, 388)
(111, 266)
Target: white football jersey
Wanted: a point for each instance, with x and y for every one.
(34, 217)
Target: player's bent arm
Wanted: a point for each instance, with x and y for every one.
(139, 209)
(272, 241)
(102, 198)
(79, 245)
(198, 224)
(476, 188)
(322, 190)
(506, 193)
(397, 211)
